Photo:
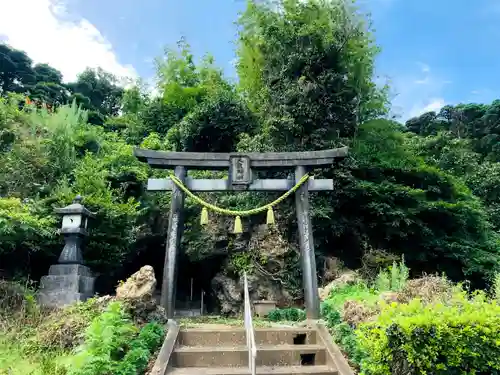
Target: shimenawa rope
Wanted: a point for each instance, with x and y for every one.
(223, 211)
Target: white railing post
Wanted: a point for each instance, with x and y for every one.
(202, 302)
(250, 334)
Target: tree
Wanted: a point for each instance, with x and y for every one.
(408, 206)
(478, 122)
(15, 70)
(46, 73)
(308, 67)
(49, 93)
(99, 92)
(215, 125)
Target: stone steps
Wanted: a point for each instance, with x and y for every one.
(262, 370)
(223, 351)
(232, 356)
(237, 336)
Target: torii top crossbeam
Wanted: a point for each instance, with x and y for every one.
(218, 161)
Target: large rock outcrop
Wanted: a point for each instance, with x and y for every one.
(137, 293)
(138, 288)
(229, 292)
(267, 251)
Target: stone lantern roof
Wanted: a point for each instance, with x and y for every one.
(75, 208)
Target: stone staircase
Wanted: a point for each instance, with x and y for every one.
(223, 351)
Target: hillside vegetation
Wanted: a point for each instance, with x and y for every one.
(428, 190)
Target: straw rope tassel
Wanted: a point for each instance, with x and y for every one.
(237, 225)
(204, 216)
(270, 216)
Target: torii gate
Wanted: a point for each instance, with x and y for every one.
(240, 167)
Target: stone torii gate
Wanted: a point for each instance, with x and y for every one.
(240, 167)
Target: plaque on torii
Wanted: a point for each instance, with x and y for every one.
(240, 167)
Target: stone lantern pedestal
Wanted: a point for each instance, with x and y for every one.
(69, 281)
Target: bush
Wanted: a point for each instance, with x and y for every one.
(345, 336)
(342, 333)
(290, 315)
(330, 314)
(496, 287)
(394, 279)
(22, 226)
(113, 345)
(14, 297)
(460, 337)
(352, 292)
(65, 328)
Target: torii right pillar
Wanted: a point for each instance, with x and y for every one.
(306, 243)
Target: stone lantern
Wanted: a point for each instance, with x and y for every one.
(74, 228)
(69, 281)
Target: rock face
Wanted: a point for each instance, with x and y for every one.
(137, 292)
(332, 268)
(266, 250)
(229, 292)
(140, 286)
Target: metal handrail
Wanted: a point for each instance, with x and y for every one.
(250, 333)
(202, 302)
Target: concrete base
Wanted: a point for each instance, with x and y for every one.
(70, 283)
(66, 284)
(263, 308)
(61, 298)
(69, 269)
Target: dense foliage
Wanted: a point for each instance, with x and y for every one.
(427, 190)
(114, 345)
(454, 338)
(419, 326)
(290, 314)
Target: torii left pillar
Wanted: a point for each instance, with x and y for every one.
(174, 234)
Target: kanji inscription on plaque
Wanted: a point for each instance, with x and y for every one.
(240, 171)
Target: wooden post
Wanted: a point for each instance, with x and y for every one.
(174, 234)
(308, 259)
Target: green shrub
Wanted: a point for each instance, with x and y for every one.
(22, 226)
(496, 287)
(394, 279)
(352, 292)
(460, 337)
(290, 315)
(345, 336)
(342, 333)
(330, 314)
(113, 345)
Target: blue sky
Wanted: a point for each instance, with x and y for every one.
(433, 52)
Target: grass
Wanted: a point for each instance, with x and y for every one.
(14, 359)
(353, 292)
(21, 319)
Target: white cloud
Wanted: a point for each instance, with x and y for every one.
(424, 67)
(417, 92)
(43, 29)
(434, 104)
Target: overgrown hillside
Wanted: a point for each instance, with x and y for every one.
(426, 190)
